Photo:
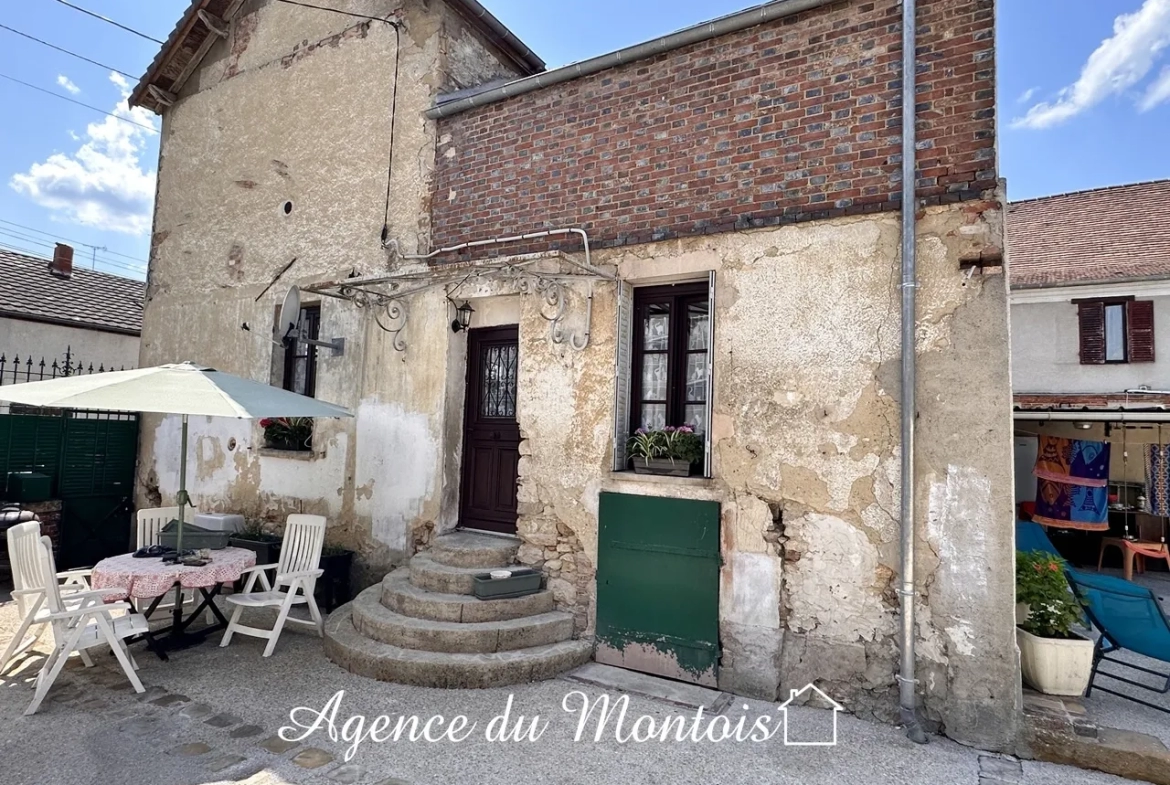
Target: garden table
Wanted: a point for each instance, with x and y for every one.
(151, 578)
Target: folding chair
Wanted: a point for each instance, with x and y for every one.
(1128, 617)
(24, 542)
(296, 575)
(87, 622)
(1031, 536)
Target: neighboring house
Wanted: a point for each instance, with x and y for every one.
(742, 182)
(1090, 311)
(53, 311)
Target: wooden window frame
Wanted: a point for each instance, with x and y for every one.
(1137, 330)
(310, 317)
(678, 296)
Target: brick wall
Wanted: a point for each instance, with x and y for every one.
(795, 120)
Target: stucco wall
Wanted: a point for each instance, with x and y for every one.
(51, 341)
(1046, 352)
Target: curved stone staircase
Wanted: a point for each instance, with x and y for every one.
(422, 625)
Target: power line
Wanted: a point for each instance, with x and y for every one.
(38, 241)
(66, 51)
(66, 239)
(79, 103)
(10, 246)
(109, 21)
(93, 251)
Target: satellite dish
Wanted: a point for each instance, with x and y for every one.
(289, 321)
(290, 315)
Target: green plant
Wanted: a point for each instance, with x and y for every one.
(253, 530)
(288, 433)
(1041, 585)
(678, 444)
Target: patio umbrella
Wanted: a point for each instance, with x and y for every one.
(184, 389)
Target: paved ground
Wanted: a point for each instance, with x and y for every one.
(1114, 712)
(210, 716)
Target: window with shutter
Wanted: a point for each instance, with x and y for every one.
(1091, 317)
(1140, 321)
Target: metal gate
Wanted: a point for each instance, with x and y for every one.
(658, 586)
(90, 459)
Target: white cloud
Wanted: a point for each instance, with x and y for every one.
(1026, 96)
(1119, 63)
(67, 83)
(103, 184)
(1158, 92)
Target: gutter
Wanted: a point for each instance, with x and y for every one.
(504, 38)
(907, 683)
(1160, 416)
(691, 35)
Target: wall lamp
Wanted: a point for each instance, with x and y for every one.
(462, 317)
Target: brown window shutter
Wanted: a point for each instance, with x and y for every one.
(1092, 323)
(1140, 318)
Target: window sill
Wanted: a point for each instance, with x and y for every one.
(662, 479)
(292, 455)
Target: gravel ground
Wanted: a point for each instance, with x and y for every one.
(210, 715)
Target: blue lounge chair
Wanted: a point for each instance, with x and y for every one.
(1129, 617)
(1032, 537)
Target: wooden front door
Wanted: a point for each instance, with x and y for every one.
(491, 435)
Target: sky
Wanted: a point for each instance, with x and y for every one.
(1084, 102)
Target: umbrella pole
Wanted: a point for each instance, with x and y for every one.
(182, 485)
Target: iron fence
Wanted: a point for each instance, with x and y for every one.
(18, 369)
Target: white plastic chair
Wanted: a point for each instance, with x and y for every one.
(150, 523)
(24, 542)
(84, 623)
(297, 571)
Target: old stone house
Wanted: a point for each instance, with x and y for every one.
(703, 229)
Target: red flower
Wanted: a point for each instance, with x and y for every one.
(1054, 567)
(266, 422)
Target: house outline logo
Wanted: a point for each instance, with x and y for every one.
(793, 695)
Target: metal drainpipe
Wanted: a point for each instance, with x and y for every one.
(906, 681)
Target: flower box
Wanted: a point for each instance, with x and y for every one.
(294, 434)
(1056, 666)
(663, 466)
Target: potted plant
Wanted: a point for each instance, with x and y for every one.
(1053, 658)
(288, 433)
(670, 450)
(253, 538)
(333, 586)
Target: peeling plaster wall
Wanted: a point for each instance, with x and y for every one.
(806, 461)
(294, 107)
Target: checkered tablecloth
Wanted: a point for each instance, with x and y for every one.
(145, 578)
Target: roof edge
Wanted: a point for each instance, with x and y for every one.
(703, 31)
(1023, 287)
(1118, 187)
(79, 323)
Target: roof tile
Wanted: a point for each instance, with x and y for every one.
(1094, 236)
(87, 299)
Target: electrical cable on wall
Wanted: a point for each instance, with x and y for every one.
(393, 95)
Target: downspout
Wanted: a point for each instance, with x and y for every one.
(906, 680)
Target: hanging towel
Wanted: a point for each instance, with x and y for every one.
(1072, 506)
(1158, 479)
(1073, 461)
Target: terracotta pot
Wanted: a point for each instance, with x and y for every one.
(1055, 666)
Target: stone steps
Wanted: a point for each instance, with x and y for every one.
(430, 575)
(402, 596)
(467, 549)
(351, 650)
(422, 625)
(374, 620)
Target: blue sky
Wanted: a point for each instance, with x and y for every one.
(1084, 89)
